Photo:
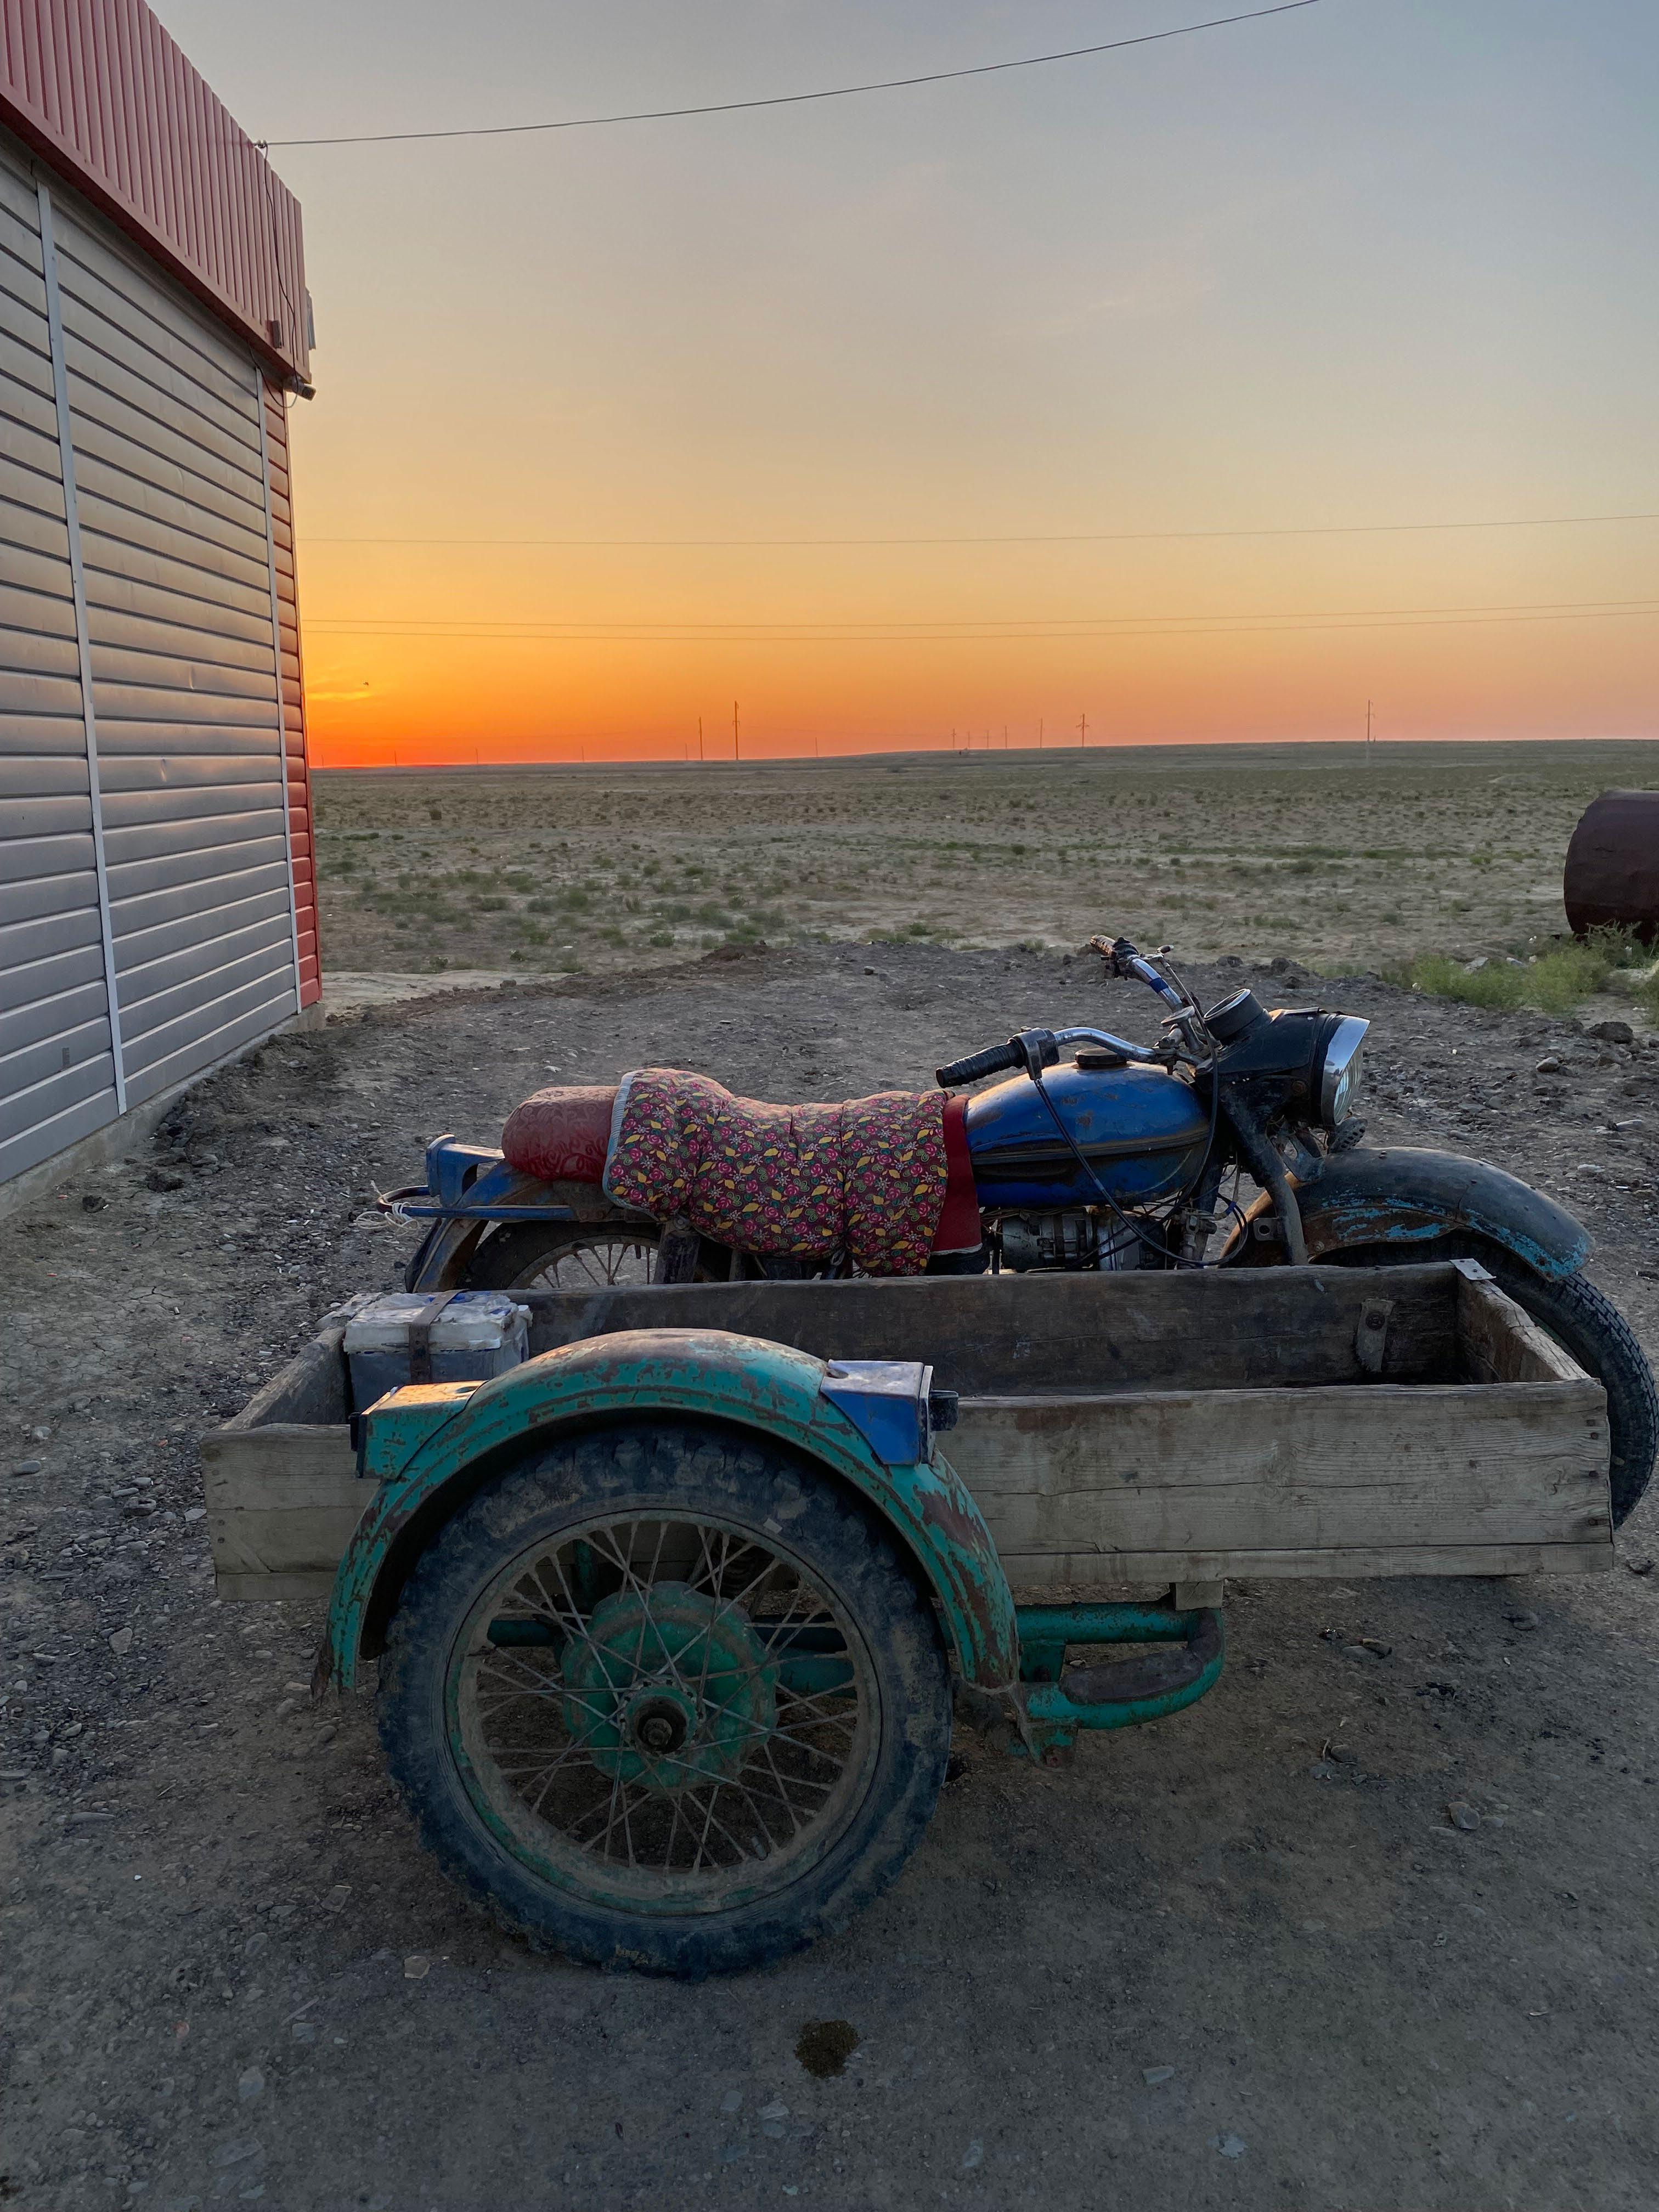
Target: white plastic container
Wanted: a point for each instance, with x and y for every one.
(413, 1336)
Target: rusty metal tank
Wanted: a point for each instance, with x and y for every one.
(1611, 880)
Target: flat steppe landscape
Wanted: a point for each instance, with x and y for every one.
(1342, 861)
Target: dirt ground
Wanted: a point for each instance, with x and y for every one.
(1312, 851)
(1244, 1958)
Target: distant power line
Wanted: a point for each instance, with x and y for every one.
(983, 631)
(796, 99)
(1017, 537)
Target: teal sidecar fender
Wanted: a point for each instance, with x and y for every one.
(435, 1447)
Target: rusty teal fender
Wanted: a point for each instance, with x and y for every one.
(433, 1447)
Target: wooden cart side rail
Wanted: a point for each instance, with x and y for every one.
(1090, 1473)
(1272, 1327)
(1191, 1486)
(1500, 1342)
(314, 1388)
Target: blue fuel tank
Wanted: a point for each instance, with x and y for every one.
(1143, 1133)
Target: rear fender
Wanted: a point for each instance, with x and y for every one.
(1401, 1195)
(490, 1191)
(434, 1449)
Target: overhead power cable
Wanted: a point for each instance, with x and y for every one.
(1013, 538)
(1033, 630)
(796, 99)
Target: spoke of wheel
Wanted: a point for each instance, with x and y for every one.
(569, 1615)
(608, 1547)
(721, 1826)
(805, 1701)
(784, 1734)
(647, 1621)
(529, 1684)
(783, 1795)
(569, 1752)
(502, 1659)
(523, 1764)
(708, 1812)
(600, 1712)
(772, 1562)
(737, 1713)
(599, 1650)
(611, 1822)
(627, 1828)
(799, 1782)
(756, 1807)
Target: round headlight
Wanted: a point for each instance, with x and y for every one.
(1338, 1077)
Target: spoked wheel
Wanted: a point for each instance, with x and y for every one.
(664, 1697)
(536, 1256)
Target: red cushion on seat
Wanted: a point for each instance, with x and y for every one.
(562, 1134)
(958, 1227)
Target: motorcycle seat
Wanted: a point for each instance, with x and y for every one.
(562, 1134)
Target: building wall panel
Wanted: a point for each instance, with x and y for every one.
(57, 1069)
(55, 1127)
(239, 1015)
(61, 1091)
(83, 1048)
(301, 814)
(57, 1013)
(190, 670)
(228, 857)
(172, 530)
(177, 902)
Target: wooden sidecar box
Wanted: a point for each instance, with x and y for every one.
(1116, 1429)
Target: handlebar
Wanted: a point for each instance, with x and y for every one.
(993, 1061)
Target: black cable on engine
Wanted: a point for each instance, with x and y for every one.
(1152, 1243)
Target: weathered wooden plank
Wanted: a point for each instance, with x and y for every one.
(314, 1388)
(1230, 1476)
(281, 1500)
(1047, 1579)
(986, 1333)
(1500, 1342)
(271, 1589)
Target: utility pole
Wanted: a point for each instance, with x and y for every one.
(700, 737)
(1039, 738)
(1369, 754)
(735, 753)
(1083, 725)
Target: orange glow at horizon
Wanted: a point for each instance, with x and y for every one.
(1263, 646)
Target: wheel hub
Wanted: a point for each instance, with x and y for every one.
(668, 1687)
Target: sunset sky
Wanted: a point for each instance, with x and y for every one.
(1374, 262)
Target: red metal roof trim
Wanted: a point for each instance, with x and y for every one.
(99, 88)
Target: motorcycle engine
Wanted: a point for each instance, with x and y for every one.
(1071, 1240)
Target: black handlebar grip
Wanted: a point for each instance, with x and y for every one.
(992, 1062)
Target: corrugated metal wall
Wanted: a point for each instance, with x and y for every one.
(164, 412)
(302, 838)
(57, 1070)
(99, 88)
(189, 665)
